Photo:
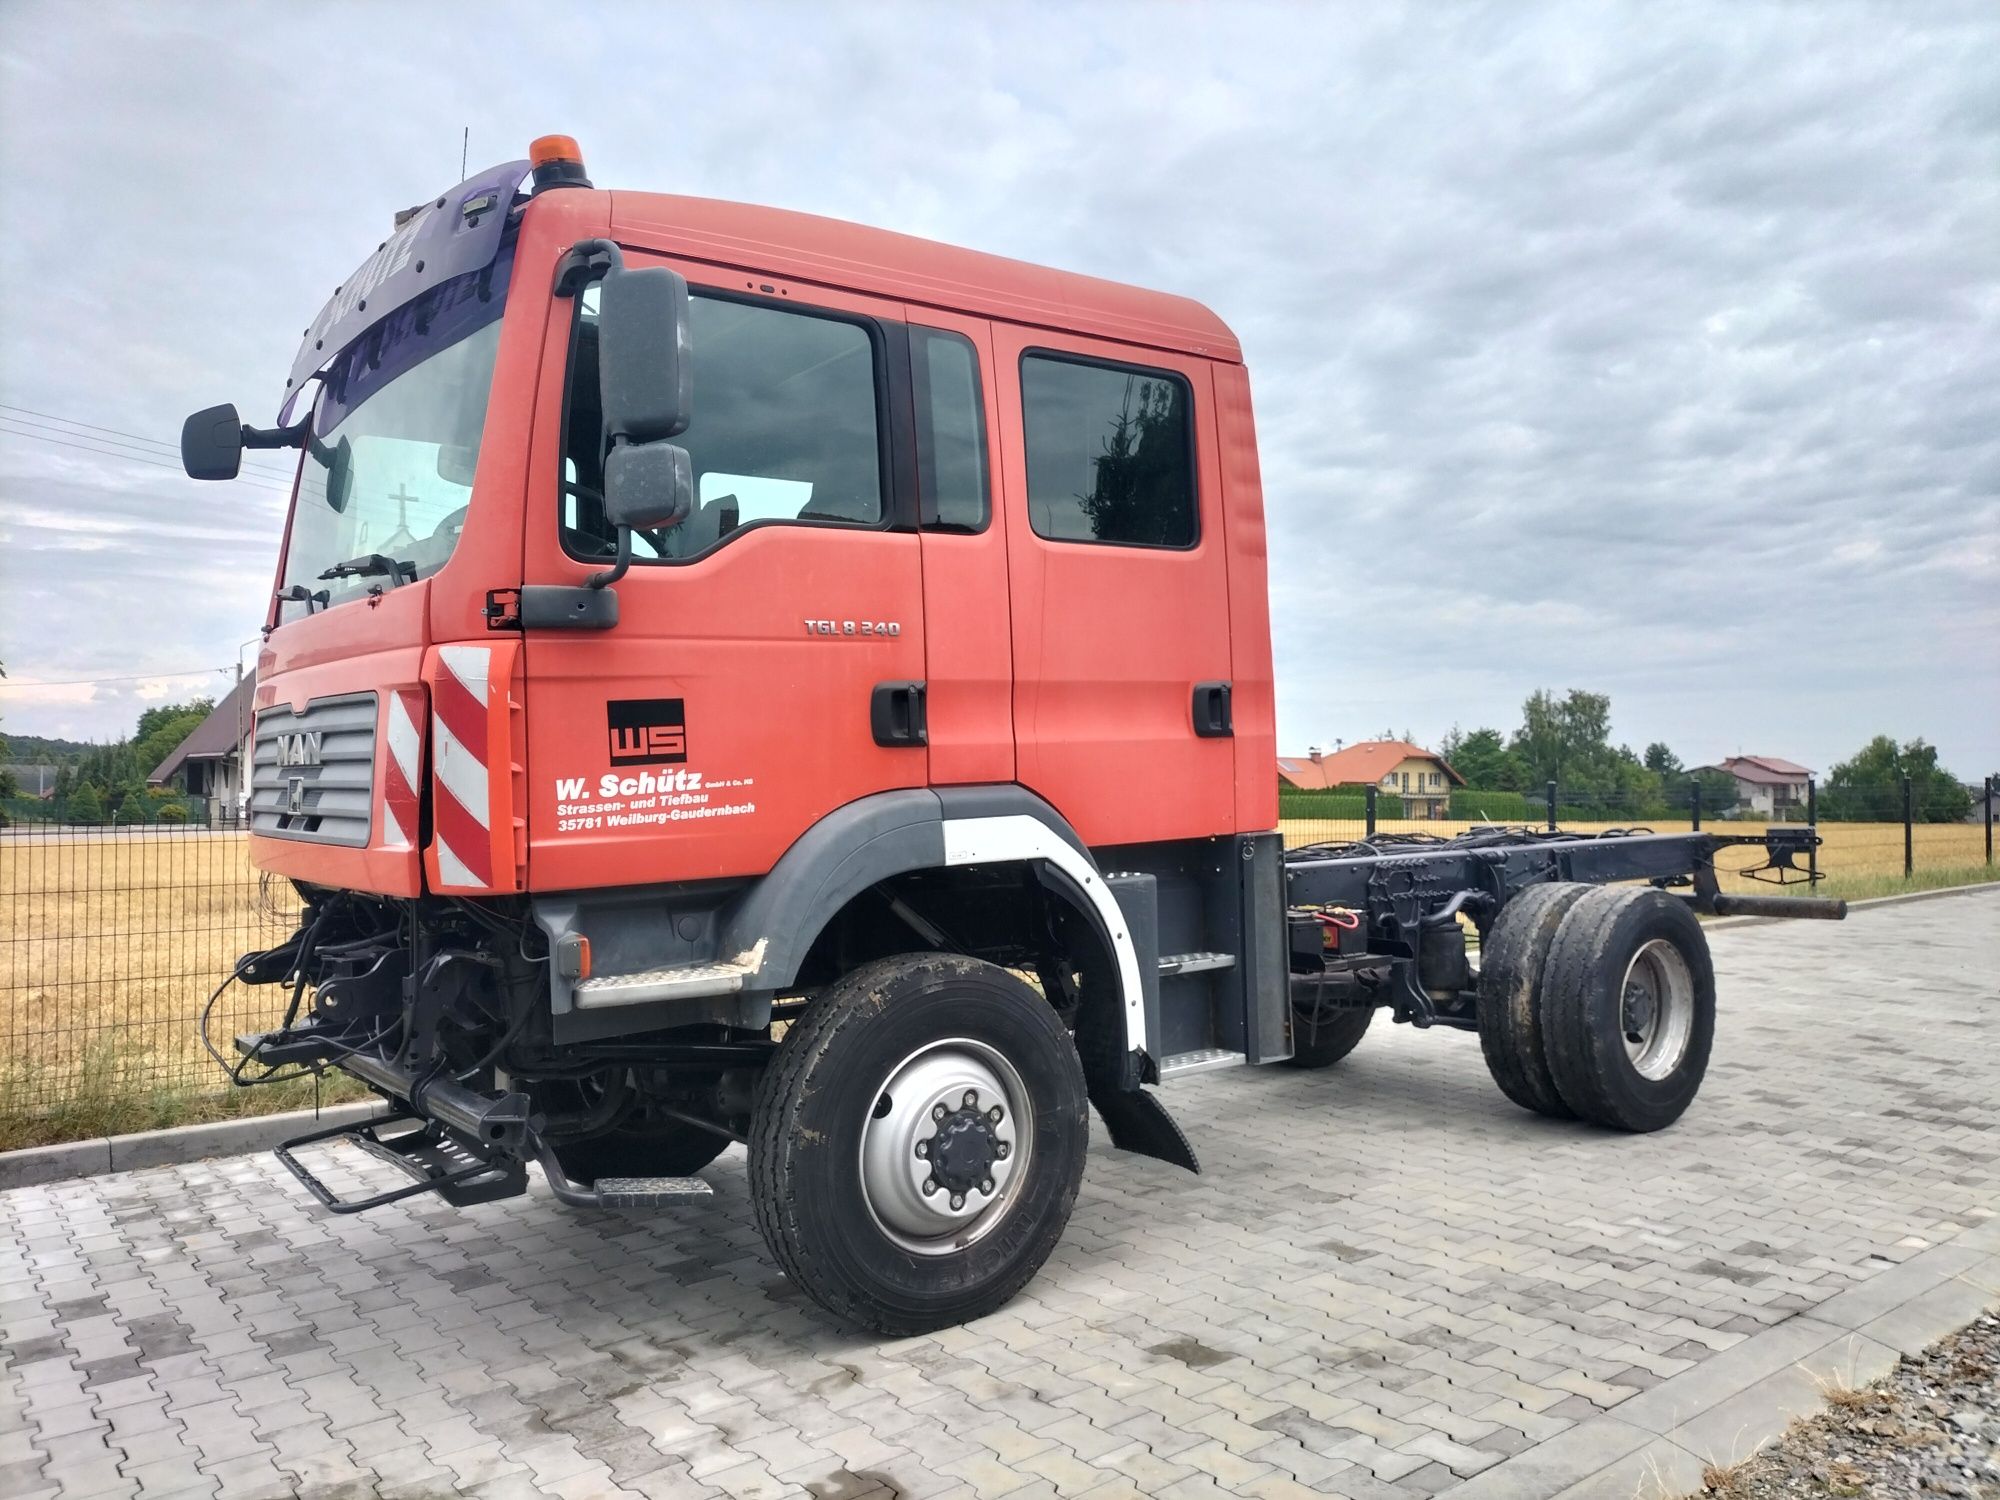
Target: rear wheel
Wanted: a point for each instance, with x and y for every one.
(1629, 1012)
(1511, 963)
(918, 1142)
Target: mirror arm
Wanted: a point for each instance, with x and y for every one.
(584, 262)
(617, 569)
(293, 436)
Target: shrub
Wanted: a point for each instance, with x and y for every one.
(1341, 805)
(1472, 806)
(173, 812)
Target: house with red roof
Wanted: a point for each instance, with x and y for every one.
(1765, 784)
(1419, 776)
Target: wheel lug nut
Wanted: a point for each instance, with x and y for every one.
(1001, 1150)
(958, 1200)
(971, 1099)
(923, 1148)
(930, 1186)
(937, 1111)
(994, 1114)
(986, 1187)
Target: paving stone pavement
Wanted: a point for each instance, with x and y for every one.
(1388, 1280)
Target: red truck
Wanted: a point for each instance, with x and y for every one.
(735, 676)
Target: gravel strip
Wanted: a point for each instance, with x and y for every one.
(1931, 1428)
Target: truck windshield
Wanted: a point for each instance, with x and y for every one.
(395, 439)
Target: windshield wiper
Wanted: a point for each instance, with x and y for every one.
(374, 565)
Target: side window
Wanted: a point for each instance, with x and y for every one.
(786, 427)
(1110, 453)
(951, 430)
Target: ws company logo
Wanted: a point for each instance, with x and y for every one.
(646, 731)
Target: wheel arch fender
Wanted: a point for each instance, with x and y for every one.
(775, 923)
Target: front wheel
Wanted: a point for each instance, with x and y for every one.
(918, 1142)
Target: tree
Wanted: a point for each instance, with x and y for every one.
(1564, 740)
(1483, 759)
(85, 806)
(1869, 787)
(160, 731)
(8, 786)
(1662, 762)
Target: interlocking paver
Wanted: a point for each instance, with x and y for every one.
(1387, 1280)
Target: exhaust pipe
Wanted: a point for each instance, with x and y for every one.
(1820, 908)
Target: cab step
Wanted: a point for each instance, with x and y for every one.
(674, 982)
(1202, 1060)
(621, 1192)
(1195, 963)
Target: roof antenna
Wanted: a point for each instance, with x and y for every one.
(464, 145)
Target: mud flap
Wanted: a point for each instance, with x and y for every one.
(1139, 1122)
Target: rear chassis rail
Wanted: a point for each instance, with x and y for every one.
(1404, 895)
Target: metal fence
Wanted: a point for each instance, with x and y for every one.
(112, 939)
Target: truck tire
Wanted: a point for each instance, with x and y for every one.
(1323, 1035)
(917, 1142)
(1628, 1012)
(1511, 963)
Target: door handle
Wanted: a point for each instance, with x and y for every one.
(1211, 711)
(896, 714)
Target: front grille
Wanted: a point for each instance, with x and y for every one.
(312, 774)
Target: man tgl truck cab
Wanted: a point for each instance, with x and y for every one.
(734, 676)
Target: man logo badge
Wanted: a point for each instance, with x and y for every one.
(299, 748)
(295, 796)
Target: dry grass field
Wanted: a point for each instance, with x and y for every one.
(110, 942)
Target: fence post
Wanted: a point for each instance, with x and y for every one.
(1989, 817)
(1552, 807)
(1371, 809)
(1909, 832)
(1812, 826)
(1694, 804)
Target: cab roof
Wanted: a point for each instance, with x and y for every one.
(880, 262)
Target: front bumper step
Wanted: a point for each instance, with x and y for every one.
(438, 1161)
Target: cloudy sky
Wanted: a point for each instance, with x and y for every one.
(1653, 350)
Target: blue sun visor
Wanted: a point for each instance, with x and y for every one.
(457, 232)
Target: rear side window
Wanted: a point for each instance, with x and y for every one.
(951, 430)
(1110, 453)
(786, 428)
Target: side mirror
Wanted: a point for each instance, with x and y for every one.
(648, 486)
(644, 369)
(212, 443)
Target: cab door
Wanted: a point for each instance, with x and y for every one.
(1119, 584)
(767, 662)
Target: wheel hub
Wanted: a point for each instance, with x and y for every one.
(1658, 1008)
(1640, 1008)
(964, 1149)
(942, 1153)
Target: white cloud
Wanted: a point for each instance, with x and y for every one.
(1646, 349)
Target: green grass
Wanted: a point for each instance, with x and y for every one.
(1866, 887)
(111, 1094)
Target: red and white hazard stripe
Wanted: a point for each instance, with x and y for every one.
(400, 775)
(460, 787)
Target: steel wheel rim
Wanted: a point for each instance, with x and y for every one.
(923, 1100)
(1656, 1009)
